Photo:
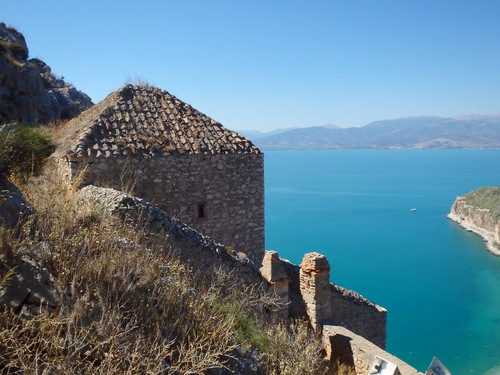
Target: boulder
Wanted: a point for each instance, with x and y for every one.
(27, 287)
(14, 210)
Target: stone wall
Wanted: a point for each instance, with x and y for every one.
(314, 281)
(360, 315)
(273, 271)
(198, 251)
(366, 358)
(311, 294)
(219, 195)
(300, 288)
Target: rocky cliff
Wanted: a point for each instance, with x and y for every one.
(29, 91)
(479, 212)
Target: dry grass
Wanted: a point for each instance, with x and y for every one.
(137, 81)
(294, 350)
(126, 308)
(9, 49)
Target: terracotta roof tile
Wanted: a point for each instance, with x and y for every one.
(148, 121)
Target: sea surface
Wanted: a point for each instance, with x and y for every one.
(440, 285)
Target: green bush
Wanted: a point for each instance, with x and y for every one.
(23, 151)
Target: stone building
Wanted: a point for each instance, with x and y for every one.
(143, 140)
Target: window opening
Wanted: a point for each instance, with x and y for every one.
(201, 211)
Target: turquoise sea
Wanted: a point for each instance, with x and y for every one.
(440, 285)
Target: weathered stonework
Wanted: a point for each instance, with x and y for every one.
(363, 355)
(315, 288)
(353, 311)
(198, 251)
(230, 188)
(205, 256)
(273, 271)
(145, 141)
(326, 302)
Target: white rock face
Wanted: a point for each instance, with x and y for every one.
(478, 220)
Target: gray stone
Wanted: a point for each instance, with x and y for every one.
(29, 92)
(29, 288)
(14, 210)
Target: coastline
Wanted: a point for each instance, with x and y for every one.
(488, 238)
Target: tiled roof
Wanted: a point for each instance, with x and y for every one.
(147, 121)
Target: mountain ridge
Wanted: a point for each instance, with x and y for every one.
(416, 132)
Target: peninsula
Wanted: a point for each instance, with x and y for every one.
(479, 212)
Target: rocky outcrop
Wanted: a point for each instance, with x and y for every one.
(476, 212)
(13, 207)
(29, 91)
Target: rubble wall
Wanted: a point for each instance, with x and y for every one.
(367, 358)
(329, 303)
(219, 195)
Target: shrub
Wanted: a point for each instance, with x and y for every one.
(23, 151)
(283, 356)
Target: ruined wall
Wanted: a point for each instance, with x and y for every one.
(363, 355)
(315, 288)
(195, 249)
(360, 315)
(219, 195)
(325, 302)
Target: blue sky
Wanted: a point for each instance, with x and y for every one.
(276, 64)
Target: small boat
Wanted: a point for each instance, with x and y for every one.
(413, 209)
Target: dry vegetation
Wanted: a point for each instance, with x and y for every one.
(485, 198)
(9, 50)
(126, 307)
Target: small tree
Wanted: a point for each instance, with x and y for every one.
(23, 151)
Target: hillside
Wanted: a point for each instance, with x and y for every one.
(106, 291)
(479, 212)
(475, 131)
(29, 91)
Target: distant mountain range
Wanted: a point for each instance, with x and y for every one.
(472, 131)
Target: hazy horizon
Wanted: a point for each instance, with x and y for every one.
(464, 116)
